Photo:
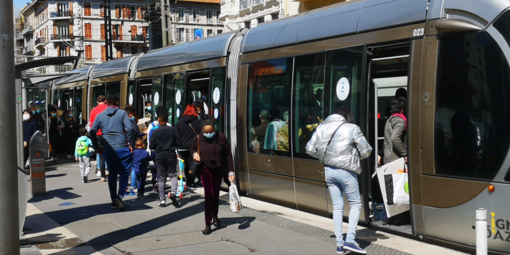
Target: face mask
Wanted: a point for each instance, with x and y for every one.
(209, 135)
(204, 97)
(33, 112)
(70, 115)
(132, 118)
(149, 108)
(53, 115)
(26, 116)
(38, 111)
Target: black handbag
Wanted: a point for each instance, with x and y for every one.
(195, 167)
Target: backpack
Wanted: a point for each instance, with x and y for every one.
(154, 127)
(82, 148)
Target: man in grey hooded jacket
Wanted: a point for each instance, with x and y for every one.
(339, 145)
(117, 132)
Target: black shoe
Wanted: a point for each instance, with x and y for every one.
(139, 196)
(175, 202)
(217, 222)
(207, 230)
(113, 205)
(120, 206)
(85, 179)
(192, 186)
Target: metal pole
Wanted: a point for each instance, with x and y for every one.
(9, 234)
(481, 231)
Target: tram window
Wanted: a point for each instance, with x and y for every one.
(97, 91)
(113, 88)
(269, 93)
(175, 99)
(157, 98)
(343, 81)
(308, 102)
(78, 108)
(503, 26)
(472, 111)
(218, 97)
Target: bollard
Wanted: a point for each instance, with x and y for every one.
(38, 149)
(481, 231)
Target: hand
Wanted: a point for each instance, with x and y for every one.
(190, 172)
(99, 150)
(196, 157)
(71, 126)
(58, 128)
(379, 159)
(405, 159)
(25, 144)
(232, 178)
(76, 159)
(131, 149)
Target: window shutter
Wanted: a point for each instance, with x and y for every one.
(71, 32)
(54, 31)
(58, 50)
(139, 12)
(102, 31)
(120, 32)
(68, 51)
(117, 11)
(88, 31)
(114, 33)
(103, 53)
(133, 33)
(124, 12)
(144, 31)
(101, 10)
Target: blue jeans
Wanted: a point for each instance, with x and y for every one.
(133, 179)
(120, 162)
(343, 181)
(98, 157)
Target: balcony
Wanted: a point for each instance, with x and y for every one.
(128, 39)
(245, 4)
(28, 50)
(61, 14)
(40, 42)
(63, 37)
(27, 29)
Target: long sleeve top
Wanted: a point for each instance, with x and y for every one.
(215, 152)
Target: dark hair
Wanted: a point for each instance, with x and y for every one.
(397, 105)
(112, 99)
(163, 116)
(82, 131)
(147, 102)
(208, 122)
(264, 114)
(101, 98)
(27, 111)
(140, 143)
(197, 104)
(130, 109)
(401, 92)
(346, 113)
(161, 109)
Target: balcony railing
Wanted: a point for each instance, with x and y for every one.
(128, 37)
(40, 40)
(27, 29)
(61, 14)
(63, 37)
(28, 49)
(245, 4)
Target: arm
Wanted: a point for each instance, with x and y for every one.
(362, 145)
(228, 152)
(177, 139)
(311, 147)
(128, 127)
(93, 133)
(76, 149)
(396, 138)
(193, 148)
(62, 124)
(152, 142)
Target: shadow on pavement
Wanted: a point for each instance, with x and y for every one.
(63, 194)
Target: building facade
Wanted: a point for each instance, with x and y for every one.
(238, 14)
(55, 28)
(307, 5)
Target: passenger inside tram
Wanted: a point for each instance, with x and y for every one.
(284, 135)
(271, 136)
(260, 131)
(308, 127)
(465, 148)
(148, 109)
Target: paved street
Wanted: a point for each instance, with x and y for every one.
(77, 218)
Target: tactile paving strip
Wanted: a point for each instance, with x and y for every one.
(309, 230)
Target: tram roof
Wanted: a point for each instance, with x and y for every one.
(204, 49)
(74, 76)
(112, 67)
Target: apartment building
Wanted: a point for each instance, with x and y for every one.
(194, 19)
(68, 28)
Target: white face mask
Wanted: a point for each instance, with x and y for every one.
(26, 116)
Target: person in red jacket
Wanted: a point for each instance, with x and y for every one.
(102, 104)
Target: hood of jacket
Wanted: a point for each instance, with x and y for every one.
(337, 143)
(83, 138)
(110, 111)
(188, 119)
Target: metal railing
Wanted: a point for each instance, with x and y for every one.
(63, 37)
(245, 4)
(40, 40)
(128, 37)
(28, 49)
(61, 14)
(28, 28)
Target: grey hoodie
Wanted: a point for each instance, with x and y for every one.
(116, 128)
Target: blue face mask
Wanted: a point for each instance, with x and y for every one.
(53, 115)
(204, 97)
(149, 108)
(33, 112)
(70, 115)
(38, 111)
(209, 135)
(132, 118)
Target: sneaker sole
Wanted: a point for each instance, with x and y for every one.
(120, 205)
(356, 251)
(175, 202)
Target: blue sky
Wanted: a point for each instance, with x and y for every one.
(18, 4)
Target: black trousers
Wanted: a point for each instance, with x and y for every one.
(55, 144)
(26, 154)
(190, 178)
(166, 168)
(102, 162)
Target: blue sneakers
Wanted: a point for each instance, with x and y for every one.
(340, 250)
(354, 247)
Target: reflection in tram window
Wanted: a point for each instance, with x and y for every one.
(78, 106)
(217, 96)
(113, 88)
(97, 91)
(472, 113)
(269, 90)
(308, 99)
(157, 97)
(175, 100)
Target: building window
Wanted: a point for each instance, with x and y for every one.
(208, 15)
(117, 11)
(209, 32)
(87, 9)
(220, 31)
(88, 31)
(275, 16)
(217, 16)
(132, 12)
(196, 16)
(181, 34)
(102, 31)
(247, 24)
(181, 15)
(134, 50)
(103, 53)
(120, 52)
(260, 20)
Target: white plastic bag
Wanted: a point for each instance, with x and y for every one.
(400, 188)
(235, 200)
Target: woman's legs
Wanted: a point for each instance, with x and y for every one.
(209, 194)
(216, 186)
(190, 178)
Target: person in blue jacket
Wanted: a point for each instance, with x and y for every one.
(141, 158)
(29, 129)
(117, 133)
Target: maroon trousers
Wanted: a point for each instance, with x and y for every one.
(211, 180)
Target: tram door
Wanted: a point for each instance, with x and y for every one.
(388, 80)
(140, 97)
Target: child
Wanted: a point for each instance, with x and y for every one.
(82, 154)
(141, 158)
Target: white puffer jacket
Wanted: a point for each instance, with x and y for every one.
(347, 147)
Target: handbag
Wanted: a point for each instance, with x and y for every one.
(195, 166)
(234, 199)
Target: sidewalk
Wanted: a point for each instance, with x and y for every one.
(77, 217)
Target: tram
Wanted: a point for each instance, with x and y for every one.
(451, 56)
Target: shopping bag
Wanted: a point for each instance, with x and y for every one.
(394, 167)
(397, 188)
(235, 200)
